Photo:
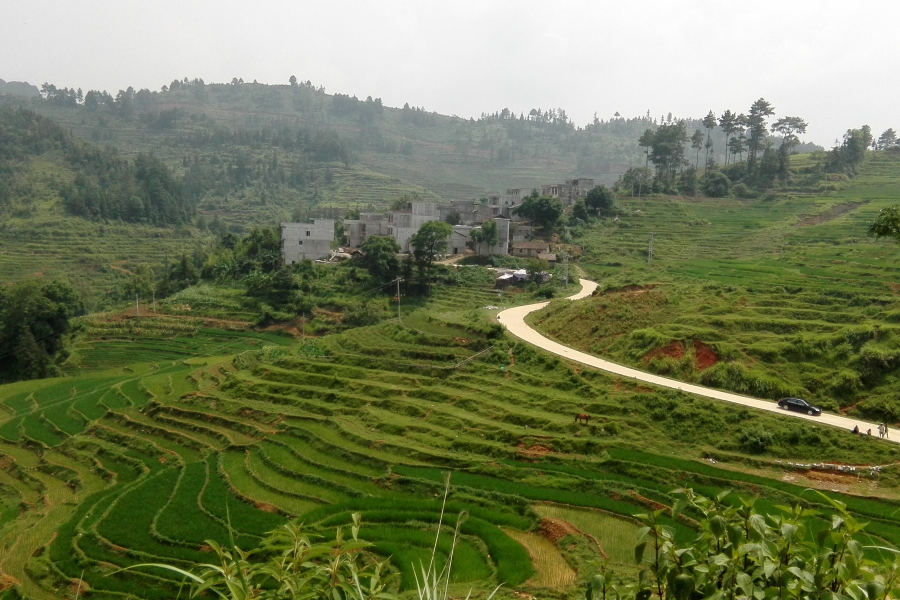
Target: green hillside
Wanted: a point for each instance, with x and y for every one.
(789, 294)
(140, 464)
(249, 394)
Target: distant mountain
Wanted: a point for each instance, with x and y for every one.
(19, 88)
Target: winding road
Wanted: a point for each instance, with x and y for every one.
(513, 319)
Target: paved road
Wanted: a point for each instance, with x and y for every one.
(514, 321)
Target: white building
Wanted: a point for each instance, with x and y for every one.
(301, 241)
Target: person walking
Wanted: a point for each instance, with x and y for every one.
(881, 430)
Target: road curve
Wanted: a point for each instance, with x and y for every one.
(513, 319)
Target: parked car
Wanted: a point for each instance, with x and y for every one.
(799, 405)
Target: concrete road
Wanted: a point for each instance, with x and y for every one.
(513, 320)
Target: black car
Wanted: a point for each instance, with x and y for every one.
(800, 406)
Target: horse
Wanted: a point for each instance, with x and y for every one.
(582, 417)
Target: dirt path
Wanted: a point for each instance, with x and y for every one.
(513, 320)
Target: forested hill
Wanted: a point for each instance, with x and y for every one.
(447, 156)
(89, 181)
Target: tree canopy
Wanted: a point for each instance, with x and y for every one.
(600, 201)
(380, 258)
(34, 321)
(429, 241)
(544, 211)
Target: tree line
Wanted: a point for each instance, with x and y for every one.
(758, 153)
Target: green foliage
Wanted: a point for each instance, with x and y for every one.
(380, 258)
(299, 568)
(544, 211)
(34, 322)
(600, 201)
(742, 550)
(887, 224)
(429, 241)
(716, 184)
(105, 185)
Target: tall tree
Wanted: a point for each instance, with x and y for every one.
(888, 139)
(756, 123)
(709, 121)
(789, 128)
(544, 211)
(697, 144)
(380, 258)
(599, 201)
(429, 241)
(728, 123)
(645, 141)
(667, 152)
(34, 320)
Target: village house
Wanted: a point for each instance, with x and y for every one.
(570, 191)
(302, 241)
(529, 249)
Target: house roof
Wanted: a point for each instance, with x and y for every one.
(547, 256)
(531, 245)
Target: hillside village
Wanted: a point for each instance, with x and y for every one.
(314, 240)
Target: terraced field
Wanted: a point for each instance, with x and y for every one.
(795, 240)
(145, 464)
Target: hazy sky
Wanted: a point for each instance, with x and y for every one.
(836, 64)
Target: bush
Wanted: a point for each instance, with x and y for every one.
(364, 313)
(742, 190)
(716, 185)
(756, 439)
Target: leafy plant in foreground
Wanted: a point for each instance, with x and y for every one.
(741, 553)
(298, 569)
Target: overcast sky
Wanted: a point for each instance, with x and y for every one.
(834, 63)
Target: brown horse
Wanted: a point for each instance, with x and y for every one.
(582, 417)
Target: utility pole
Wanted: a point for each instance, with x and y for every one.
(650, 249)
(303, 325)
(154, 301)
(137, 306)
(398, 301)
(565, 265)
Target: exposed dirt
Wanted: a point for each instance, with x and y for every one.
(672, 350)
(630, 289)
(556, 529)
(842, 478)
(269, 508)
(533, 450)
(833, 213)
(706, 358)
(8, 581)
(78, 587)
(647, 501)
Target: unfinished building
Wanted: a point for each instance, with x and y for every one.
(570, 191)
(302, 241)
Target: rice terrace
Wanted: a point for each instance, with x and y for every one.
(176, 389)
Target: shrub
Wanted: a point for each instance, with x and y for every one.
(716, 185)
(755, 439)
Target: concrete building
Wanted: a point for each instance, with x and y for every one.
(459, 239)
(521, 233)
(403, 224)
(529, 249)
(570, 191)
(358, 230)
(501, 248)
(301, 241)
